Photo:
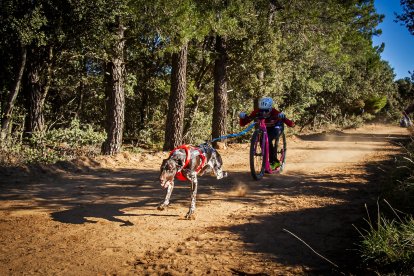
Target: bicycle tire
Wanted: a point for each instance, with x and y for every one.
(281, 150)
(257, 159)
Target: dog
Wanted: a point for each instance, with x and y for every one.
(185, 163)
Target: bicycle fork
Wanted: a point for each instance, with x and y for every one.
(265, 146)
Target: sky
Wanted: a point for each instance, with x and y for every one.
(399, 43)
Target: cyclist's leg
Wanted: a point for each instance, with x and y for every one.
(278, 134)
(273, 134)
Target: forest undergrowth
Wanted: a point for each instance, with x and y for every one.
(387, 244)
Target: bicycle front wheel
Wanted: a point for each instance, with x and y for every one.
(257, 155)
(281, 151)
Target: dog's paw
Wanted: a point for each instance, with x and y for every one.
(190, 216)
(161, 207)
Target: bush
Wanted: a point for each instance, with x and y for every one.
(55, 145)
(76, 136)
(375, 104)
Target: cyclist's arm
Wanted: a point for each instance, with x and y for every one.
(289, 123)
(248, 118)
(275, 115)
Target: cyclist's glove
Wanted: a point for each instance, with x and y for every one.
(281, 115)
(242, 115)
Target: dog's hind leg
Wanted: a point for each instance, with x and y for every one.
(192, 176)
(220, 173)
(205, 169)
(217, 163)
(166, 201)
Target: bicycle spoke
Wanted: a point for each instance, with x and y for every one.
(281, 151)
(256, 155)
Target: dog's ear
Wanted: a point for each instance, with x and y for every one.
(163, 163)
(167, 164)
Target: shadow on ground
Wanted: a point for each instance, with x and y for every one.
(293, 238)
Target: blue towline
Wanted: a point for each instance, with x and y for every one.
(234, 134)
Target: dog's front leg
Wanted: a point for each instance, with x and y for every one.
(166, 201)
(194, 184)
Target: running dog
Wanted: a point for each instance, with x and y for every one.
(185, 163)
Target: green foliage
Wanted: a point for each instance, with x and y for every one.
(55, 145)
(315, 58)
(407, 16)
(76, 135)
(390, 242)
(64, 143)
(352, 122)
(375, 104)
(405, 183)
(405, 94)
(200, 131)
(152, 135)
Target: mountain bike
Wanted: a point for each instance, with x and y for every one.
(259, 149)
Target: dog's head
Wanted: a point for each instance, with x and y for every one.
(169, 168)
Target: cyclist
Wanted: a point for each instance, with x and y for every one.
(274, 123)
(405, 121)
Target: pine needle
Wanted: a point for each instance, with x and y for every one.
(326, 259)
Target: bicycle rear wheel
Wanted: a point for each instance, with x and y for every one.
(281, 151)
(257, 155)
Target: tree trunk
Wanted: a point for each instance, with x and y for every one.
(35, 120)
(176, 102)
(8, 110)
(143, 113)
(39, 75)
(193, 109)
(81, 92)
(220, 90)
(115, 96)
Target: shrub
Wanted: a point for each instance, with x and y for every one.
(375, 104)
(55, 145)
(391, 242)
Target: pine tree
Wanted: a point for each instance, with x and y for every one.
(176, 103)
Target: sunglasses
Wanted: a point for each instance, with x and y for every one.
(265, 110)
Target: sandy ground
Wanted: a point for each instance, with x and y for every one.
(99, 217)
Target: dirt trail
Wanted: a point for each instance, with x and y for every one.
(100, 217)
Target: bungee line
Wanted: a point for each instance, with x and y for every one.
(234, 134)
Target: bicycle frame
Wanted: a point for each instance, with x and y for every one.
(265, 145)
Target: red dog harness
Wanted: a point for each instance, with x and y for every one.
(179, 175)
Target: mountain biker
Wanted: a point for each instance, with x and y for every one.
(274, 124)
(405, 120)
